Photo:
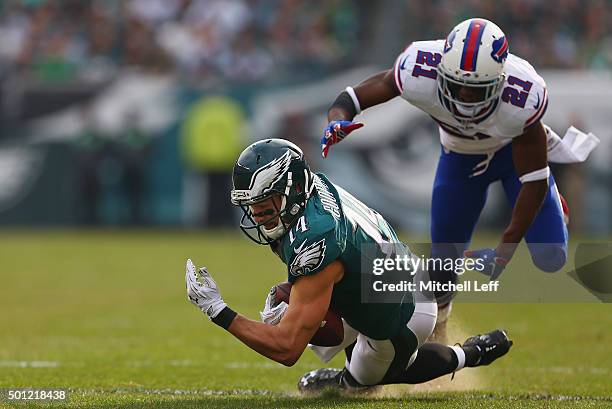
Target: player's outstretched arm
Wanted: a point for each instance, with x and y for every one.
(372, 91)
(531, 164)
(285, 342)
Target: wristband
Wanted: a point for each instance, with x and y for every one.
(225, 318)
(346, 102)
(351, 92)
(539, 174)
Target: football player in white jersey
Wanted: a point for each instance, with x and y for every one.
(488, 104)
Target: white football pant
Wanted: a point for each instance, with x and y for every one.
(372, 358)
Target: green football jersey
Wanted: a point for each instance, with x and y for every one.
(337, 226)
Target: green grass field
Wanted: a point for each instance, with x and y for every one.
(104, 314)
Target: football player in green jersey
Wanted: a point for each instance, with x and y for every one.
(322, 233)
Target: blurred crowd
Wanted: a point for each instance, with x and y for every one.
(571, 34)
(202, 40)
(255, 40)
(220, 51)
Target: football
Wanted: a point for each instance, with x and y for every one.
(331, 332)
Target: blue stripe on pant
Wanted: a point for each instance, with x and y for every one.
(458, 200)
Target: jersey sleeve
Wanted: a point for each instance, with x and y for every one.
(399, 68)
(311, 253)
(537, 103)
(415, 71)
(524, 98)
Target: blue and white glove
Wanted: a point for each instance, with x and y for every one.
(202, 290)
(335, 132)
(494, 264)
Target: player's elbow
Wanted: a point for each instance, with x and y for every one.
(290, 352)
(289, 361)
(289, 358)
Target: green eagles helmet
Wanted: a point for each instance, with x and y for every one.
(266, 168)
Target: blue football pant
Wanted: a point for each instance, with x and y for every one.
(458, 199)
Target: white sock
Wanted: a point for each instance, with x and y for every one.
(460, 356)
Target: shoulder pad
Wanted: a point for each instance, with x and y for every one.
(415, 68)
(524, 98)
(311, 253)
(313, 242)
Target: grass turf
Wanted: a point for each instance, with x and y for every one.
(104, 314)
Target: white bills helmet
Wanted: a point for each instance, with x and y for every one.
(474, 55)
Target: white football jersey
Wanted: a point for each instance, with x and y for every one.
(522, 102)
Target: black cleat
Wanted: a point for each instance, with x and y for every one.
(331, 379)
(320, 380)
(489, 346)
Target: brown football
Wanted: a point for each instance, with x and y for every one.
(331, 332)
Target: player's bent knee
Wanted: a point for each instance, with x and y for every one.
(549, 258)
(370, 360)
(423, 321)
(365, 378)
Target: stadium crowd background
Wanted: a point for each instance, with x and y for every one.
(202, 40)
(206, 41)
(219, 54)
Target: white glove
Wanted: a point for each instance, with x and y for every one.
(272, 315)
(202, 290)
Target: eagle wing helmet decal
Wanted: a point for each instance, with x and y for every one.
(265, 177)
